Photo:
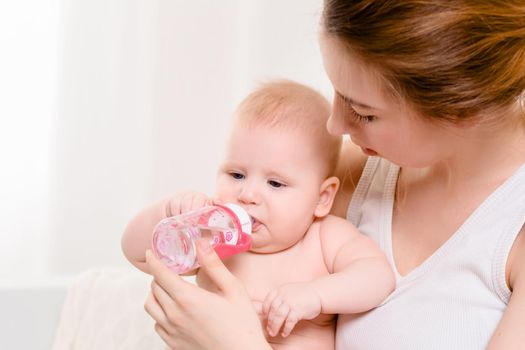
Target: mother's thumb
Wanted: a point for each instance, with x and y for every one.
(212, 265)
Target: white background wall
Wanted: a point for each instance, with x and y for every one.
(107, 106)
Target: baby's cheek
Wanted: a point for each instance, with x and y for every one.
(225, 195)
(224, 186)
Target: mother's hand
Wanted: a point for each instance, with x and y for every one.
(189, 317)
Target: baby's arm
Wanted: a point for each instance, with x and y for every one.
(360, 275)
(138, 233)
(360, 279)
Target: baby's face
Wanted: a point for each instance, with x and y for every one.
(276, 176)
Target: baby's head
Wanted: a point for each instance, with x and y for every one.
(279, 163)
(285, 106)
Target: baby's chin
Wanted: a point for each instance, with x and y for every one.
(259, 247)
(262, 250)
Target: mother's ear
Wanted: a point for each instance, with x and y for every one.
(327, 193)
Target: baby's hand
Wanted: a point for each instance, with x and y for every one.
(288, 304)
(186, 201)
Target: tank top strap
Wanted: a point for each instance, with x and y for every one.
(378, 173)
(508, 212)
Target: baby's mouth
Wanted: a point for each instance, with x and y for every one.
(255, 223)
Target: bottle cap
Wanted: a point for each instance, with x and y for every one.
(242, 215)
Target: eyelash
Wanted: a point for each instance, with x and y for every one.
(272, 183)
(361, 118)
(237, 176)
(276, 184)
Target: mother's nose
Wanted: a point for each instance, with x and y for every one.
(340, 121)
(339, 125)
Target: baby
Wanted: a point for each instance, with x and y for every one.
(305, 266)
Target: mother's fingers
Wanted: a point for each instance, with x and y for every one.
(162, 297)
(164, 335)
(212, 265)
(169, 281)
(161, 322)
(156, 312)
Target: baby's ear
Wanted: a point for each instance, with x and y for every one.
(327, 193)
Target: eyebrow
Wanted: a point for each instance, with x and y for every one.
(353, 102)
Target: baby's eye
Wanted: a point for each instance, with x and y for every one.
(276, 184)
(237, 176)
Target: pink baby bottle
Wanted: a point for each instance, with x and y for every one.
(227, 227)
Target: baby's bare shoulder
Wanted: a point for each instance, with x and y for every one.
(336, 228)
(330, 223)
(328, 231)
(339, 236)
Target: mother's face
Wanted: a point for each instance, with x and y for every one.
(377, 121)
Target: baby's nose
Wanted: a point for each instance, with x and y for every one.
(249, 195)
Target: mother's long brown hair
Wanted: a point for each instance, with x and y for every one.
(451, 59)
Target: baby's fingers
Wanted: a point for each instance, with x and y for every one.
(290, 323)
(276, 317)
(199, 200)
(267, 303)
(186, 203)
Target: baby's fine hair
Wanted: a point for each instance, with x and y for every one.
(287, 105)
(450, 59)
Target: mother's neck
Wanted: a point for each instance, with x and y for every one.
(482, 153)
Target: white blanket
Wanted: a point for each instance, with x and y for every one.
(104, 309)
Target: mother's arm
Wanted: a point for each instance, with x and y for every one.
(510, 333)
(188, 317)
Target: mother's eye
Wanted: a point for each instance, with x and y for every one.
(347, 105)
(362, 118)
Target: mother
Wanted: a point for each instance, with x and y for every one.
(433, 92)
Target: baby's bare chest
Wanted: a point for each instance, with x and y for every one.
(261, 273)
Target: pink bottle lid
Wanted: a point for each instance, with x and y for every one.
(243, 223)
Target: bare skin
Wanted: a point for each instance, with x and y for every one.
(304, 266)
(447, 171)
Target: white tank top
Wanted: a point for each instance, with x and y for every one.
(456, 297)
